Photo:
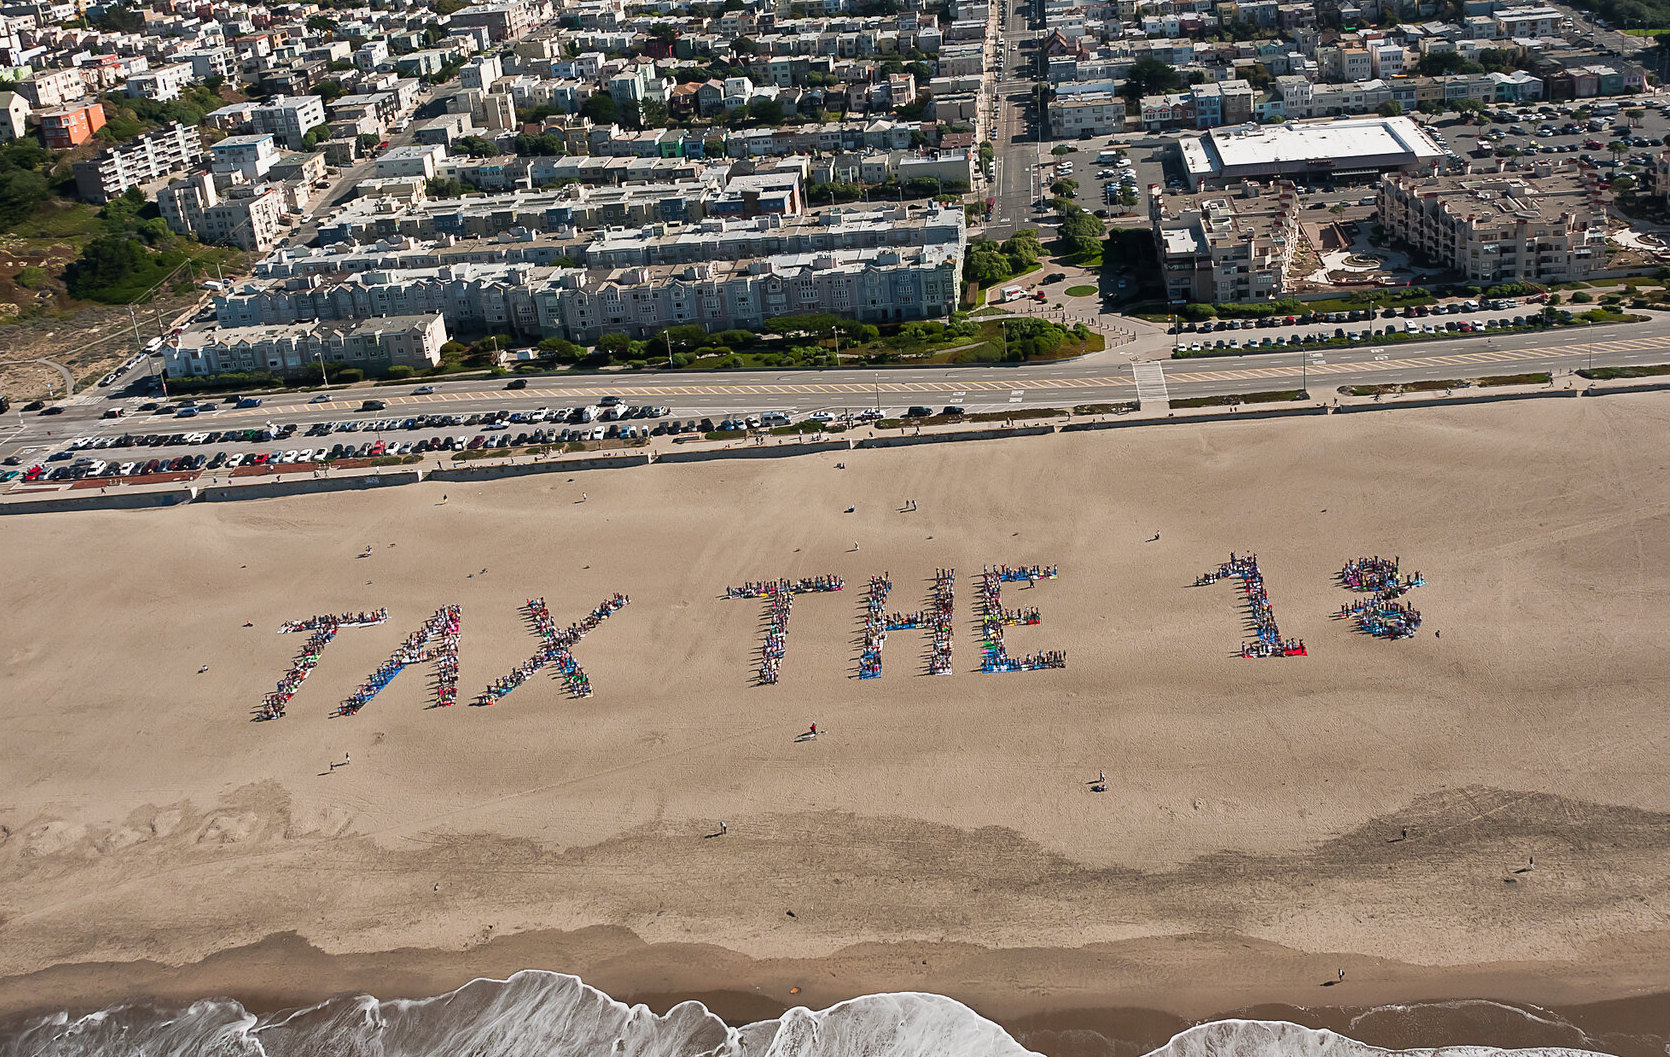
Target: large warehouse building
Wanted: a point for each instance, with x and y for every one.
(1360, 147)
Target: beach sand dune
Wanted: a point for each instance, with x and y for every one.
(940, 833)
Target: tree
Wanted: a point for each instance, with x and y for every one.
(663, 32)
(1390, 108)
(1022, 248)
(765, 109)
(1081, 232)
(1438, 64)
(322, 24)
(315, 135)
(744, 46)
(652, 113)
(1149, 77)
(474, 147)
(1635, 115)
(987, 267)
(120, 19)
(330, 91)
(601, 108)
(615, 344)
(548, 145)
(367, 142)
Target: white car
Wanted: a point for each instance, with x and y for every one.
(235, 461)
(822, 416)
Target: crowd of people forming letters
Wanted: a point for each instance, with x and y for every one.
(1380, 614)
(994, 618)
(437, 641)
(556, 649)
(937, 617)
(1268, 641)
(324, 630)
(779, 596)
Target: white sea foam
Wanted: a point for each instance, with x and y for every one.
(543, 1014)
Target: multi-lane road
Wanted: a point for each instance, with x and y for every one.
(1102, 378)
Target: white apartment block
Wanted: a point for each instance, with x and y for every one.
(47, 89)
(141, 160)
(162, 84)
(289, 118)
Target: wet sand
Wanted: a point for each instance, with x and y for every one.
(1245, 850)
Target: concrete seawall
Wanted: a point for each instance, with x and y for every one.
(87, 499)
(491, 470)
(906, 440)
(265, 488)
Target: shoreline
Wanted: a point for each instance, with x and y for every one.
(1039, 996)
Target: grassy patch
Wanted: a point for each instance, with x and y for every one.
(1104, 409)
(1435, 385)
(1602, 374)
(1531, 378)
(57, 223)
(727, 434)
(1080, 291)
(1030, 412)
(1229, 399)
(808, 426)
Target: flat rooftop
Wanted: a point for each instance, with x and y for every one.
(1341, 140)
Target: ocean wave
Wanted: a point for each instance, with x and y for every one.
(544, 1014)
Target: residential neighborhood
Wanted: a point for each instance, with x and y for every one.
(575, 170)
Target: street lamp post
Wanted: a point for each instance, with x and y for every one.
(323, 377)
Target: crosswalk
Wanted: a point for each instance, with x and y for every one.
(1151, 385)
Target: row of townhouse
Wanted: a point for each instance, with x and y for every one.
(882, 285)
(373, 344)
(712, 238)
(875, 286)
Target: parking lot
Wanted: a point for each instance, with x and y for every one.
(158, 444)
(1362, 325)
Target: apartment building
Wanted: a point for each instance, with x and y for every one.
(1087, 114)
(245, 216)
(288, 117)
(46, 89)
(252, 155)
(1544, 225)
(1233, 245)
(371, 344)
(471, 297)
(501, 21)
(873, 286)
(139, 161)
(162, 83)
(68, 126)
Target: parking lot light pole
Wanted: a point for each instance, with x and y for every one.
(323, 377)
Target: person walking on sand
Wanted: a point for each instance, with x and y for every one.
(724, 827)
(1342, 976)
(443, 500)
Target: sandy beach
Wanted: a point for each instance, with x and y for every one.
(940, 833)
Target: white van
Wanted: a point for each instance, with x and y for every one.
(773, 418)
